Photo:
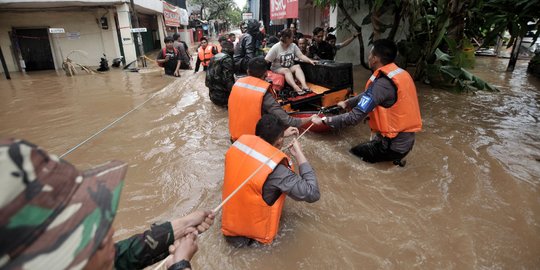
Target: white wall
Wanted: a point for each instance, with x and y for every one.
(309, 19)
(155, 6)
(93, 40)
(351, 53)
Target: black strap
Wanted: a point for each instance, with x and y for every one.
(183, 264)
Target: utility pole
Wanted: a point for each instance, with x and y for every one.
(135, 21)
(6, 71)
(514, 55)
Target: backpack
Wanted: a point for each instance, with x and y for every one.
(164, 52)
(185, 46)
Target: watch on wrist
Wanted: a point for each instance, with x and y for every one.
(183, 264)
(324, 119)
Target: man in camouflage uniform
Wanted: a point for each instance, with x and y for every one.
(52, 216)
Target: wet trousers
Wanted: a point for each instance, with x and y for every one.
(377, 151)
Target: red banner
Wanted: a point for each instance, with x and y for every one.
(283, 9)
(171, 14)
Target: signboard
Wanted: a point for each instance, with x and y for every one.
(56, 30)
(246, 16)
(283, 9)
(138, 30)
(171, 14)
(73, 35)
(184, 18)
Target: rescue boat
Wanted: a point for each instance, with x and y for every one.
(330, 82)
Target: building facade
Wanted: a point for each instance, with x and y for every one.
(39, 35)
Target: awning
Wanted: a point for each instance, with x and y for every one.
(283, 9)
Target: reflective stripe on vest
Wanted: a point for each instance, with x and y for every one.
(246, 213)
(245, 105)
(254, 154)
(251, 87)
(404, 115)
(394, 73)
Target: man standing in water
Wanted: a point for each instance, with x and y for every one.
(220, 75)
(250, 99)
(182, 49)
(392, 105)
(169, 58)
(254, 212)
(248, 46)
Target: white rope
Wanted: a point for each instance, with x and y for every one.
(238, 188)
(114, 122)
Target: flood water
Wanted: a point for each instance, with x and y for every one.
(468, 198)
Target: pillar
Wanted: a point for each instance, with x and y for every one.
(124, 23)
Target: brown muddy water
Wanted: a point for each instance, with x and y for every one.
(468, 197)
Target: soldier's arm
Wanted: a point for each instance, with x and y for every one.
(144, 249)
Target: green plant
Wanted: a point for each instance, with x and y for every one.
(445, 74)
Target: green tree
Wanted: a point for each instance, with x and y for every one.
(376, 10)
(345, 7)
(432, 24)
(218, 9)
(234, 16)
(515, 16)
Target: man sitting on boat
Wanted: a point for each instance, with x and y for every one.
(254, 212)
(392, 105)
(250, 99)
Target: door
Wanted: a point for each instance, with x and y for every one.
(35, 48)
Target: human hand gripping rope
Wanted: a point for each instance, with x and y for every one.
(160, 265)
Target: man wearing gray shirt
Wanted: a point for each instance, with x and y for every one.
(185, 59)
(254, 212)
(392, 105)
(245, 109)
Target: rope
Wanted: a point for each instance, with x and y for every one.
(153, 60)
(254, 173)
(240, 186)
(110, 125)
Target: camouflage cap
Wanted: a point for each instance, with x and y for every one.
(52, 216)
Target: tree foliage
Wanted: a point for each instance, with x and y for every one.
(439, 24)
(219, 9)
(518, 17)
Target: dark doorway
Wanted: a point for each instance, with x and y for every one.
(35, 48)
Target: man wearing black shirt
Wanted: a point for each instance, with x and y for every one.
(320, 49)
(169, 58)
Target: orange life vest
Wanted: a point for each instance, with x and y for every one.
(246, 213)
(404, 115)
(245, 105)
(205, 55)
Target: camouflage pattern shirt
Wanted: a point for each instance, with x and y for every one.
(142, 250)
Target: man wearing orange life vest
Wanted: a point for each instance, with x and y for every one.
(254, 212)
(392, 105)
(250, 99)
(204, 54)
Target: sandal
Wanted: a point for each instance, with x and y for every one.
(305, 91)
